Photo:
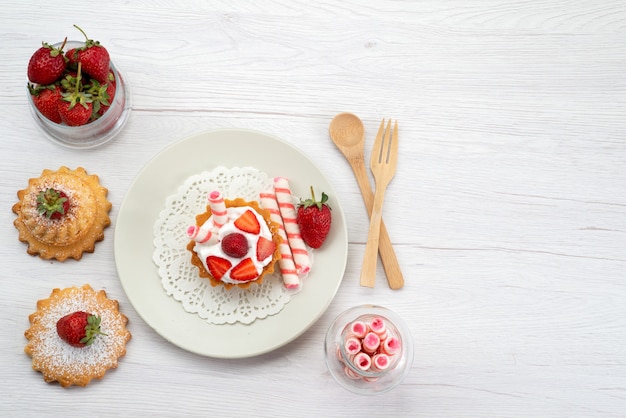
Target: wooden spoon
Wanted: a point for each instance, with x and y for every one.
(347, 132)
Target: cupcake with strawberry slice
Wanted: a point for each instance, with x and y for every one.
(234, 243)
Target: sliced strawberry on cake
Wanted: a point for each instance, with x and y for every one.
(218, 266)
(248, 222)
(244, 271)
(264, 248)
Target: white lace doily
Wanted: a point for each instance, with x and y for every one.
(180, 278)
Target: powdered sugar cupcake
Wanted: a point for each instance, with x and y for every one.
(76, 335)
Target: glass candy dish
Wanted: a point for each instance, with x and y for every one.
(368, 349)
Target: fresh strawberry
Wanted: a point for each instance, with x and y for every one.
(75, 113)
(79, 329)
(218, 266)
(53, 204)
(102, 96)
(111, 79)
(314, 219)
(94, 58)
(244, 271)
(75, 106)
(45, 99)
(235, 245)
(247, 222)
(264, 248)
(71, 57)
(47, 64)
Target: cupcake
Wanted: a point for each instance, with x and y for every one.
(76, 335)
(234, 243)
(62, 213)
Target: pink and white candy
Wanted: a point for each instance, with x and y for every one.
(352, 346)
(218, 208)
(391, 345)
(370, 342)
(289, 215)
(285, 263)
(378, 326)
(358, 329)
(362, 361)
(380, 362)
(368, 347)
(202, 234)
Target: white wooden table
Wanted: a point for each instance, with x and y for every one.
(508, 209)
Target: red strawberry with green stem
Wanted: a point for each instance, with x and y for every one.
(53, 204)
(75, 106)
(102, 96)
(79, 329)
(46, 100)
(47, 64)
(314, 219)
(94, 58)
(71, 57)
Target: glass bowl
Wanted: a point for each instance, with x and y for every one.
(94, 133)
(364, 363)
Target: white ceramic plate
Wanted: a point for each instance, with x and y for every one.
(134, 248)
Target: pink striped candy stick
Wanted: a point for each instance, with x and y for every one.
(285, 263)
(371, 342)
(289, 214)
(202, 234)
(352, 346)
(390, 345)
(362, 361)
(218, 208)
(378, 326)
(358, 329)
(380, 362)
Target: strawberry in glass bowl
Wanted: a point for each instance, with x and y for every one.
(78, 97)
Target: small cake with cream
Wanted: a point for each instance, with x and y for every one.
(76, 335)
(62, 213)
(234, 243)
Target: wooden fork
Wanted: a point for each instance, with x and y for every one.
(383, 164)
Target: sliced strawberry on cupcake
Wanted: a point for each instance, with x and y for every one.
(218, 266)
(244, 271)
(248, 222)
(264, 248)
